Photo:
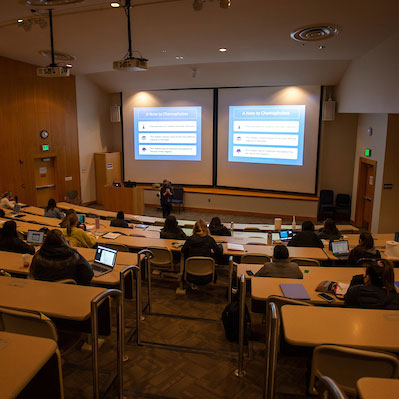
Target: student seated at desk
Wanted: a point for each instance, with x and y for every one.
(201, 244)
(329, 231)
(120, 220)
(5, 201)
(52, 211)
(56, 260)
(307, 237)
(76, 236)
(217, 228)
(171, 229)
(280, 265)
(63, 222)
(9, 240)
(374, 290)
(365, 249)
(2, 213)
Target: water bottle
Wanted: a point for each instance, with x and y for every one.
(232, 227)
(293, 223)
(97, 223)
(269, 239)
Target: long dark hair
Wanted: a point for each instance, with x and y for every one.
(71, 221)
(51, 204)
(67, 213)
(9, 231)
(381, 275)
(366, 240)
(171, 224)
(215, 222)
(330, 227)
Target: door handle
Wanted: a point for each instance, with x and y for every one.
(367, 198)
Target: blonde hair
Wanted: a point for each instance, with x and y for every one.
(71, 221)
(200, 228)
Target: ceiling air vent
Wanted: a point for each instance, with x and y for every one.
(58, 55)
(314, 33)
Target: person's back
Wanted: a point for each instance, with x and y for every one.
(5, 201)
(329, 231)
(56, 260)
(53, 213)
(365, 249)
(217, 228)
(171, 229)
(76, 236)
(119, 221)
(281, 266)
(9, 240)
(306, 238)
(375, 290)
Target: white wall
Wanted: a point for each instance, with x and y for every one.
(377, 144)
(371, 82)
(94, 127)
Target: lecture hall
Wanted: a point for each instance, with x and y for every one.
(199, 199)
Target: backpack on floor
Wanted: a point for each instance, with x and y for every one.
(230, 319)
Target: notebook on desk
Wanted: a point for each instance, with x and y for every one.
(235, 247)
(294, 291)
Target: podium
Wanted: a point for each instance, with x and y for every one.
(126, 199)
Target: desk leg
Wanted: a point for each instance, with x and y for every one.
(181, 290)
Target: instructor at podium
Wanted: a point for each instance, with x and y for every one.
(166, 198)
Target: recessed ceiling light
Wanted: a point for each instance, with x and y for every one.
(179, 57)
(223, 49)
(115, 4)
(20, 21)
(321, 47)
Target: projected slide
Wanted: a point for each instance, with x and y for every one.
(272, 134)
(167, 133)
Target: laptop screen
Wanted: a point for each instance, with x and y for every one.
(35, 237)
(285, 235)
(340, 247)
(17, 208)
(106, 256)
(81, 218)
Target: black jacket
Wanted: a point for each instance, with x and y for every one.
(325, 236)
(201, 246)
(359, 252)
(221, 230)
(15, 244)
(119, 223)
(306, 239)
(173, 235)
(367, 296)
(58, 263)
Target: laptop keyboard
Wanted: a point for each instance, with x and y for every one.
(98, 268)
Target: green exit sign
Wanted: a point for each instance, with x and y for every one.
(45, 147)
(367, 152)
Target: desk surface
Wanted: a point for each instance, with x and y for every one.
(21, 358)
(362, 328)
(12, 262)
(65, 301)
(377, 388)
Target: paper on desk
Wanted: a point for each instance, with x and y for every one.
(90, 227)
(341, 288)
(111, 236)
(235, 247)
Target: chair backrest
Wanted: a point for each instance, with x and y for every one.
(163, 257)
(200, 266)
(118, 247)
(362, 261)
(326, 197)
(343, 200)
(178, 194)
(328, 389)
(27, 323)
(346, 365)
(72, 194)
(280, 301)
(66, 281)
(158, 223)
(305, 261)
(255, 258)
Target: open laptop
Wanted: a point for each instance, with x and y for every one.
(35, 237)
(340, 249)
(104, 261)
(286, 235)
(16, 210)
(82, 218)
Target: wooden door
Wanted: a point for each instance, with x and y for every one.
(45, 180)
(365, 193)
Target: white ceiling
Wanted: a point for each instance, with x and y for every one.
(256, 33)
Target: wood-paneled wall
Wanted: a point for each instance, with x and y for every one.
(28, 105)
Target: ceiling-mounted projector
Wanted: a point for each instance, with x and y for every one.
(53, 72)
(131, 64)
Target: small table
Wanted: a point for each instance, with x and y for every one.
(377, 388)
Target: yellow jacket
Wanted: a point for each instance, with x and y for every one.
(79, 238)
